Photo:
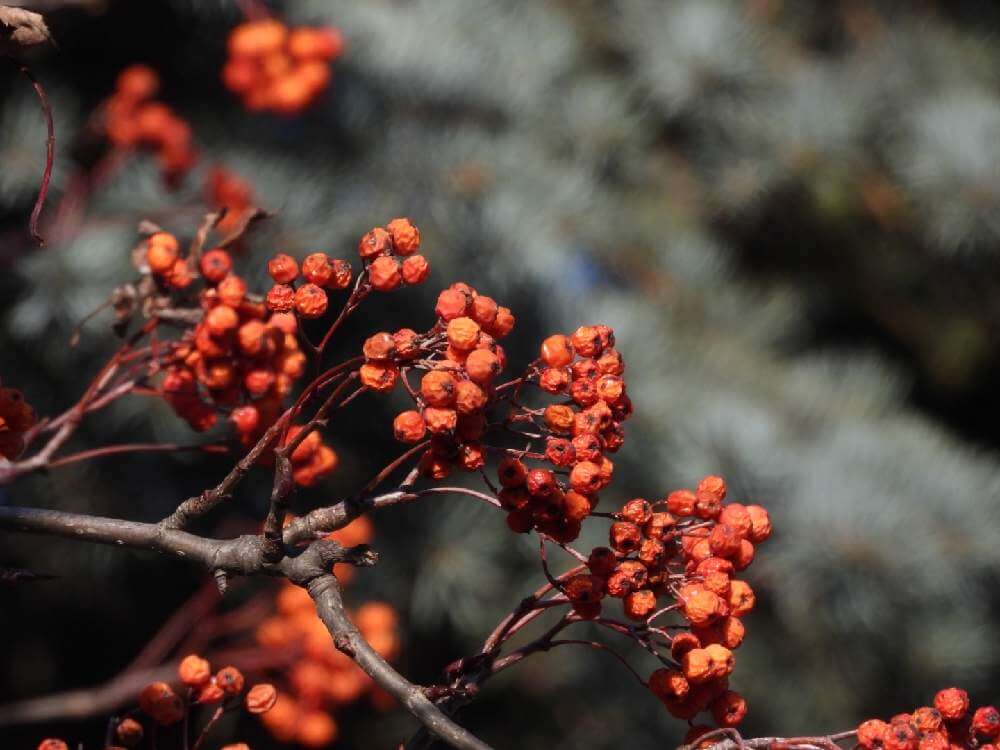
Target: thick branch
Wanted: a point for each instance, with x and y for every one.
(323, 588)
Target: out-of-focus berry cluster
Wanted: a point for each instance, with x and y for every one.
(323, 679)
(274, 68)
(947, 725)
(133, 119)
(16, 418)
(579, 432)
(224, 189)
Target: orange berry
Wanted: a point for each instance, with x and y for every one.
(215, 265)
(760, 523)
(669, 684)
(438, 388)
(315, 729)
(728, 709)
(451, 303)
(724, 541)
(385, 273)
(553, 380)
(409, 427)
(682, 643)
(737, 516)
(162, 251)
(194, 671)
(257, 38)
(503, 323)
(310, 301)
(872, 733)
(162, 704)
(381, 345)
(986, 722)
(434, 467)
(681, 502)
(52, 744)
(405, 236)
(230, 679)
(375, 242)
(638, 605)
(245, 418)
(624, 536)
(440, 421)
(221, 320)
(701, 606)
(342, 274)
(380, 377)
(137, 83)
(901, 736)
(742, 600)
(463, 333)
(280, 298)
(560, 418)
(317, 269)
(129, 732)
(586, 341)
(638, 511)
(283, 268)
(585, 478)
(469, 397)
(415, 269)
(482, 366)
(261, 698)
(232, 290)
(953, 703)
(179, 276)
(557, 351)
(407, 343)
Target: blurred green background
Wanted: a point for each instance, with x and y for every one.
(788, 211)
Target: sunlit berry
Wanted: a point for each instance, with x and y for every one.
(437, 388)
(283, 268)
(281, 298)
(379, 376)
(405, 236)
(953, 703)
(374, 243)
(409, 427)
(194, 671)
(310, 301)
(385, 273)
(415, 269)
(317, 269)
(482, 366)
(261, 698)
(557, 351)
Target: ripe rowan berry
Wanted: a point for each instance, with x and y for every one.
(405, 236)
(415, 269)
(638, 605)
(230, 679)
(440, 421)
(760, 523)
(611, 363)
(559, 418)
(161, 703)
(502, 324)
(232, 290)
(553, 380)
(638, 511)
(700, 606)
(560, 452)
(652, 553)
(194, 671)
(587, 447)
(482, 366)
(737, 516)
(406, 342)
(541, 482)
(727, 631)
(261, 698)
(584, 588)
(659, 525)
(584, 392)
(162, 251)
(179, 276)
(742, 600)
(245, 419)
(585, 478)
(317, 269)
(681, 502)
(724, 541)
(385, 273)
(129, 732)
(901, 736)
(310, 301)
(463, 333)
(451, 303)
(669, 684)
(409, 427)
(557, 351)
(379, 376)
(601, 561)
(437, 388)
(469, 397)
(872, 733)
(682, 643)
(953, 703)
(379, 346)
(374, 243)
(986, 722)
(284, 269)
(342, 274)
(728, 709)
(221, 319)
(52, 744)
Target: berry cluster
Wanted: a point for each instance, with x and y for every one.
(274, 68)
(459, 358)
(133, 119)
(165, 707)
(579, 432)
(309, 300)
(686, 549)
(947, 725)
(16, 417)
(323, 679)
(389, 253)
